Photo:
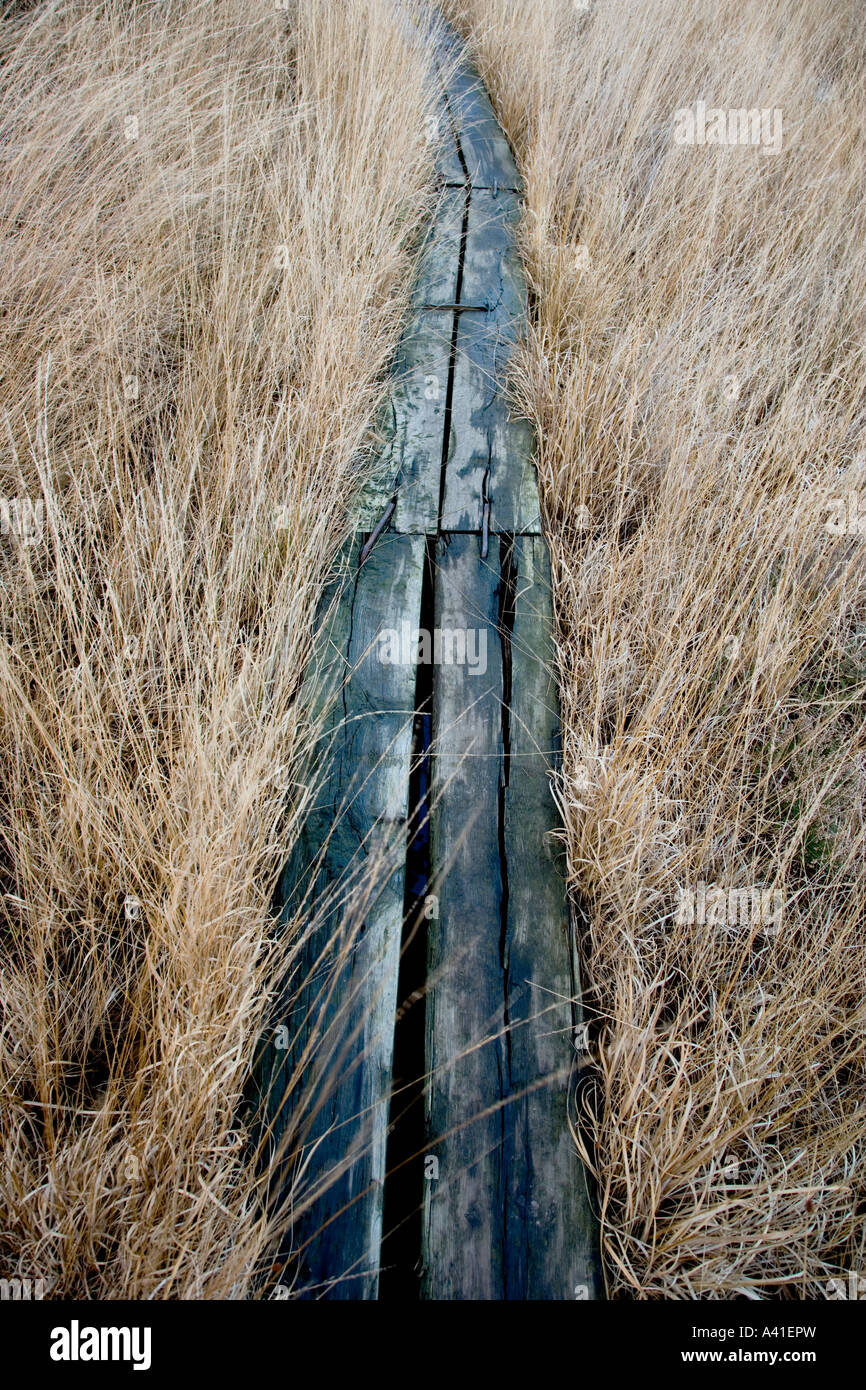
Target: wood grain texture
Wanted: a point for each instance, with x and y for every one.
(412, 431)
(551, 1236)
(439, 259)
(330, 1089)
(463, 1228)
(483, 146)
(485, 435)
(427, 29)
(509, 1214)
(449, 162)
(492, 268)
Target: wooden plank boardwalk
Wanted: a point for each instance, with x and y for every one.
(440, 1166)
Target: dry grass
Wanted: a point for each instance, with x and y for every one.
(695, 372)
(208, 215)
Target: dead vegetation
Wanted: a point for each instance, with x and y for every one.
(208, 215)
(695, 373)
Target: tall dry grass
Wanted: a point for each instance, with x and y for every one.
(208, 214)
(695, 371)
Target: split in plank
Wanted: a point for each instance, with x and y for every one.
(508, 1216)
(329, 1088)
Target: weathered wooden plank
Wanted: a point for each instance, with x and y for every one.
(413, 430)
(439, 261)
(463, 1230)
(508, 1214)
(447, 54)
(427, 29)
(485, 438)
(485, 151)
(551, 1235)
(329, 1089)
(419, 400)
(493, 270)
(449, 164)
(484, 148)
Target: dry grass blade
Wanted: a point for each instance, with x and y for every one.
(209, 214)
(695, 373)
